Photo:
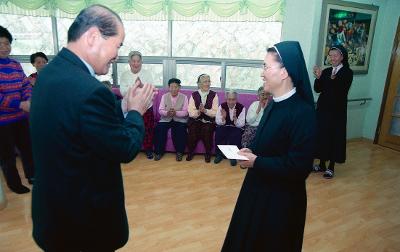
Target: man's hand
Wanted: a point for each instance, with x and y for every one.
(139, 98)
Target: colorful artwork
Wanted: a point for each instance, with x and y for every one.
(350, 25)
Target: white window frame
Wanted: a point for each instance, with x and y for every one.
(169, 63)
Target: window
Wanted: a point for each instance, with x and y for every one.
(236, 40)
(233, 48)
(31, 34)
(243, 78)
(148, 37)
(188, 74)
(63, 25)
(28, 68)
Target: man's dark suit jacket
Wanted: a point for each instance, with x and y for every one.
(79, 139)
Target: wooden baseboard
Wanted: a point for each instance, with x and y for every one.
(360, 139)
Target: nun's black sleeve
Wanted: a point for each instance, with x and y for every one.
(296, 162)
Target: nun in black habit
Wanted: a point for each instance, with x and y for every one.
(333, 84)
(271, 208)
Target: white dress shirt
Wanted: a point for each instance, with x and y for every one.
(128, 79)
(336, 69)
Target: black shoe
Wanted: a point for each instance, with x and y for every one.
(20, 189)
(218, 159)
(318, 168)
(179, 156)
(149, 154)
(329, 174)
(31, 181)
(189, 157)
(207, 158)
(157, 157)
(233, 162)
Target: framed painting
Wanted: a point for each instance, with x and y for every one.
(351, 25)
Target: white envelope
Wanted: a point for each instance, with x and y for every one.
(230, 152)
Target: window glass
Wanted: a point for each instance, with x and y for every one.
(189, 73)
(243, 78)
(30, 34)
(238, 40)
(148, 37)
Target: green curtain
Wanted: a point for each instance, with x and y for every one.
(263, 10)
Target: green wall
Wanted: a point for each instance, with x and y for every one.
(302, 22)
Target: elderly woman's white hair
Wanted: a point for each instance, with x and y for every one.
(231, 92)
(134, 53)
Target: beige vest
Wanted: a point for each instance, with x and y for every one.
(178, 106)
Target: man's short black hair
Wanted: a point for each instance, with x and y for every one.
(174, 80)
(94, 16)
(4, 33)
(36, 55)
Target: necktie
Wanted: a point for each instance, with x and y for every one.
(334, 71)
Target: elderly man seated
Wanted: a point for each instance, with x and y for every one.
(128, 78)
(173, 110)
(230, 120)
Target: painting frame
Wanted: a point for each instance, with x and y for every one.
(351, 25)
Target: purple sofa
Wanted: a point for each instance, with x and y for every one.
(244, 98)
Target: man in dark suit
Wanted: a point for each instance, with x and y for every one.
(80, 136)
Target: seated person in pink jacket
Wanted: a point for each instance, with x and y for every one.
(173, 110)
(230, 120)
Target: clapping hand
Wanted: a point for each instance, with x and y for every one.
(234, 116)
(171, 112)
(317, 72)
(201, 108)
(263, 103)
(139, 81)
(140, 96)
(223, 114)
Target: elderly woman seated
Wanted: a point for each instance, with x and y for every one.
(203, 106)
(230, 121)
(173, 110)
(254, 115)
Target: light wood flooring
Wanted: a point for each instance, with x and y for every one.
(187, 206)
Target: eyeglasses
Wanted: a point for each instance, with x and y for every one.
(266, 68)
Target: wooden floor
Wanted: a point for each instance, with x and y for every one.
(187, 206)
